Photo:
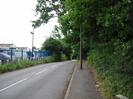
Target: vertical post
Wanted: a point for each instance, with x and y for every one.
(22, 54)
(11, 54)
(80, 48)
(32, 42)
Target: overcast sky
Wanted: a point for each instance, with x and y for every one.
(15, 25)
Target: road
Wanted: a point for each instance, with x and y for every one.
(47, 81)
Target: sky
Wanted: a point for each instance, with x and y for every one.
(15, 24)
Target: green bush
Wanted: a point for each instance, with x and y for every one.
(114, 71)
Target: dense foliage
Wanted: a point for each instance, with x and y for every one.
(57, 48)
(107, 31)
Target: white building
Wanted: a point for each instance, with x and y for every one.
(17, 52)
(7, 46)
(21, 52)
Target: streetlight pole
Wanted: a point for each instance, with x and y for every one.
(80, 49)
(32, 42)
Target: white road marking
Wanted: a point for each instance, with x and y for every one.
(41, 71)
(18, 82)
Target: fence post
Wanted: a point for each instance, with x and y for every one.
(11, 54)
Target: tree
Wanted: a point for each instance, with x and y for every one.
(57, 48)
(54, 46)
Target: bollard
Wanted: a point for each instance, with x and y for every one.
(121, 97)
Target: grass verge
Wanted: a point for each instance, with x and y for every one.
(23, 64)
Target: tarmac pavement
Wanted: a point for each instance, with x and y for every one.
(83, 85)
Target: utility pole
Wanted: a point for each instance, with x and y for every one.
(80, 49)
(32, 42)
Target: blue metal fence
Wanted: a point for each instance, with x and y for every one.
(22, 54)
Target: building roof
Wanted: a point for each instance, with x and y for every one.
(20, 48)
(7, 45)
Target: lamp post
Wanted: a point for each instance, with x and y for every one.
(80, 49)
(32, 42)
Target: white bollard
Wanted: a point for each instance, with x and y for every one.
(121, 97)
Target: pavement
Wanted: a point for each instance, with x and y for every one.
(82, 85)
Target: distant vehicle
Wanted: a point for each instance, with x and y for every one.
(4, 57)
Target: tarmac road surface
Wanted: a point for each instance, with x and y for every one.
(47, 81)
